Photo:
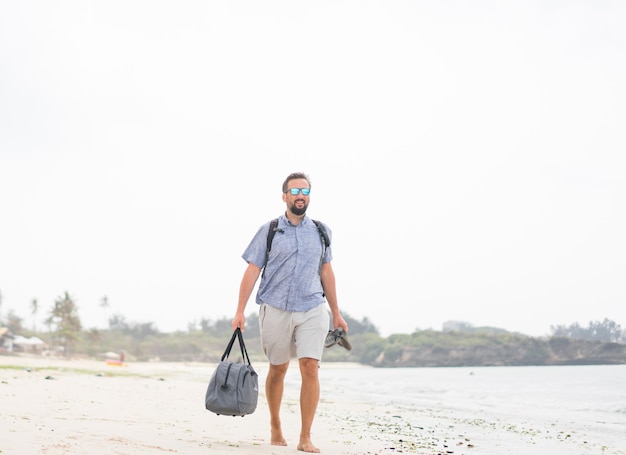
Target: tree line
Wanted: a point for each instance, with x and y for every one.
(204, 340)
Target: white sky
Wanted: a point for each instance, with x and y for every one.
(470, 158)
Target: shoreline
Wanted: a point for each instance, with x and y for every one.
(58, 406)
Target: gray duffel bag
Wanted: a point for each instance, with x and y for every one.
(234, 386)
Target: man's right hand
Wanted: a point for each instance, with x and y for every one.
(239, 321)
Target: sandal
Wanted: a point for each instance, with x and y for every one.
(339, 337)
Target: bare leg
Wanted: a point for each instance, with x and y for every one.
(309, 397)
(274, 386)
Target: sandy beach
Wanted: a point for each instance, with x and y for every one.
(55, 406)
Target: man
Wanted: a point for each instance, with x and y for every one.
(296, 281)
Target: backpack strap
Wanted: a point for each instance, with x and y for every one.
(323, 233)
(270, 237)
(325, 241)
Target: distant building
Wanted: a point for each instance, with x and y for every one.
(32, 344)
(6, 340)
(456, 326)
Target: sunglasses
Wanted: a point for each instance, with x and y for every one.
(296, 191)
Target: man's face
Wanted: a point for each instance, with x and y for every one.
(296, 203)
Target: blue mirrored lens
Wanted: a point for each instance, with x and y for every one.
(296, 191)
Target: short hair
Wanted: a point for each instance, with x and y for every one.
(294, 176)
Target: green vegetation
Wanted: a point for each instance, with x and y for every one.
(459, 344)
(606, 330)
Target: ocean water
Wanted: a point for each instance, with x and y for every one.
(547, 390)
(583, 402)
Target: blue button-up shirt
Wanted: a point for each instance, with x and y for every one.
(291, 280)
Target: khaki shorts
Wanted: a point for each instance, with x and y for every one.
(286, 334)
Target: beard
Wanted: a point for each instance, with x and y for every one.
(298, 211)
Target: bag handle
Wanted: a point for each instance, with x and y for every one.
(244, 352)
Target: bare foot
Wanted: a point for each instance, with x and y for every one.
(277, 438)
(307, 446)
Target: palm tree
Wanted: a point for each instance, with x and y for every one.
(104, 304)
(64, 316)
(34, 309)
